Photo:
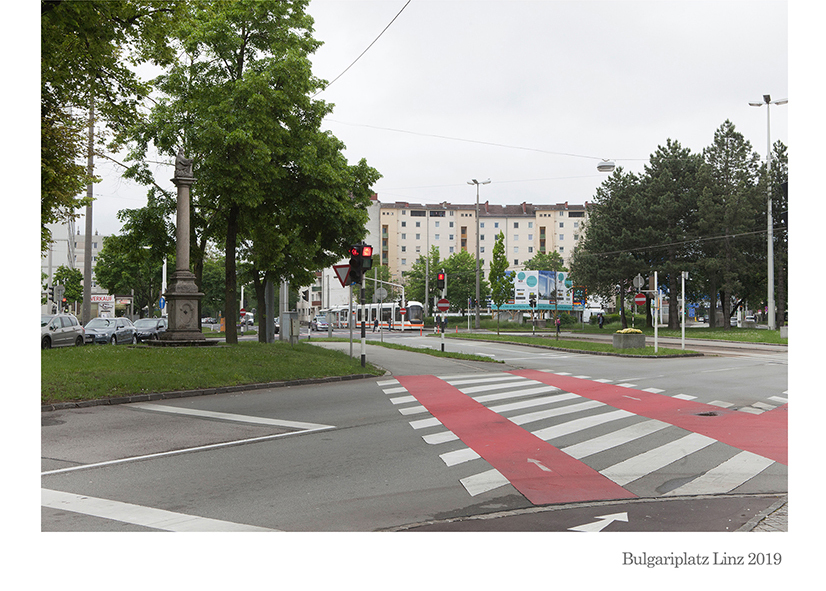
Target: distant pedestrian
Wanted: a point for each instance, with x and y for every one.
(438, 324)
(558, 324)
(600, 319)
(375, 324)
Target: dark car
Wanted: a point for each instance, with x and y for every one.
(110, 330)
(150, 329)
(60, 330)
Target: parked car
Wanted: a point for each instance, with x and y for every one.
(150, 329)
(60, 330)
(319, 323)
(111, 330)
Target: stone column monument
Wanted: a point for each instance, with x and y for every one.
(182, 295)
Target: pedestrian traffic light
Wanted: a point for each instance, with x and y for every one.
(440, 280)
(361, 260)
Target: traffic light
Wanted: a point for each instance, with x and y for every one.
(532, 300)
(361, 260)
(51, 292)
(440, 280)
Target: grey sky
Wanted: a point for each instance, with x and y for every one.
(557, 85)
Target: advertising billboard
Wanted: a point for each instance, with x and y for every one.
(542, 284)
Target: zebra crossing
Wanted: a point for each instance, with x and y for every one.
(613, 439)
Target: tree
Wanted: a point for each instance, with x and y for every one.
(414, 279)
(271, 187)
(612, 251)
(501, 283)
(671, 186)
(730, 211)
(460, 268)
(780, 215)
(72, 280)
(546, 261)
(86, 53)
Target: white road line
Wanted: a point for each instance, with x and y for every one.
(750, 410)
(577, 425)
(403, 399)
(721, 403)
(459, 456)
(182, 451)
(395, 390)
(612, 440)
(488, 379)
(653, 390)
(555, 412)
(627, 385)
(684, 397)
(515, 394)
(226, 416)
(532, 402)
(764, 406)
(424, 423)
(604, 381)
(413, 410)
(483, 482)
(441, 437)
(779, 399)
(638, 466)
(392, 382)
(138, 515)
(725, 477)
(498, 386)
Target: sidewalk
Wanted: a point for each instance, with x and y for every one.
(775, 518)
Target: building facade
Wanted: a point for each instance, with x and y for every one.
(401, 232)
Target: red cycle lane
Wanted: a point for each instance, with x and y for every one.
(765, 434)
(538, 470)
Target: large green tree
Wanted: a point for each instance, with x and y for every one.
(88, 51)
(271, 187)
(732, 252)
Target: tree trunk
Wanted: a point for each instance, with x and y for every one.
(231, 316)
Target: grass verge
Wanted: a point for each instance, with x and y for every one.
(103, 371)
(423, 350)
(575, 345)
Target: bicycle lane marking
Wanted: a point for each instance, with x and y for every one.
(765, 434)
(538, 470)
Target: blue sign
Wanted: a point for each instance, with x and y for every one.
(162, 303)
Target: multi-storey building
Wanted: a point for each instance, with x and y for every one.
(401, 232)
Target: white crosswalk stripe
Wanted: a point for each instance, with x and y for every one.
(589, 431)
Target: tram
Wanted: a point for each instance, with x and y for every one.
(388, 313)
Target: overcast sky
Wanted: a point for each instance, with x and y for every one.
(529, 94)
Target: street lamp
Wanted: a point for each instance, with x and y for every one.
(477, 183)
(769, 221)
(605, 166)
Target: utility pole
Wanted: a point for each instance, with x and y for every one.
(86, 315)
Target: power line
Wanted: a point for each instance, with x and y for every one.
(363, 52)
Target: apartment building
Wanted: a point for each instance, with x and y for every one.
(409, 230)
(68, 249)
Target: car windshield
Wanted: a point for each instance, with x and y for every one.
(146, 323)
(99, 323)
(44, 320)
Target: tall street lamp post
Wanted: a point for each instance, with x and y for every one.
(477, 183)
(770, 222)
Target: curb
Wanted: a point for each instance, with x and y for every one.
(200, 392)
(606, 353)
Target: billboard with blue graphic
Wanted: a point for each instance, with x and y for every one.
(542, 284)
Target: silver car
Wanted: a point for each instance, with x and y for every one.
(60, 330)
(111, 330)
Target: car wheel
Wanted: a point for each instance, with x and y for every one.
(113, 340)
(78, 341)
(46, 343)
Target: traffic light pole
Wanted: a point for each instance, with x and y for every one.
(363, 334)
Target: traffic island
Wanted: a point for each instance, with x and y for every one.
(629, 338)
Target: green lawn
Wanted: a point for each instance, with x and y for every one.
(103, 371)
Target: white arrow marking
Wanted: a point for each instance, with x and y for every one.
(540, 465)
(605, 520)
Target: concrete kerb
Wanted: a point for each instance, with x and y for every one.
(150, 397)
(609, 353)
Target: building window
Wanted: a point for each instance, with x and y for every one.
(530, 249)
(561, 224)
(516, 236)
(482, 249)
(562, 236)
(481, 224)
(404, 249)
(418, 224)
(495, 224)
(437, 224)
(404, 261)
(530, 225)
(561, 249)
(404, 224)
(515, 262)
(436, 236)
(515, 225)
(451, 237)
(451, 223)
(451, 250)
(481, 236)
(404, 236)
(515, 250)
(418, 236)
(530, 237)
(419, 214)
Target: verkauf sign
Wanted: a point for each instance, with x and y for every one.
(102, 299)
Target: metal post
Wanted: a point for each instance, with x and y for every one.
(363, 335)
(657, 300)
(682, 311)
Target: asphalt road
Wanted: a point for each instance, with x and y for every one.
(346, 456)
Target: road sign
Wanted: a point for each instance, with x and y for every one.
(443, 305)
(638, 281)
(162, 303)
(343, 274)
(381, 293)
(639, 299)
(59, 291)
(402, 311)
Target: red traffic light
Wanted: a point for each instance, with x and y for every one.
(355, 251)
(366, 251)
(440, 277)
